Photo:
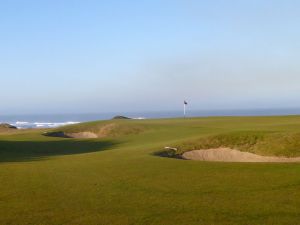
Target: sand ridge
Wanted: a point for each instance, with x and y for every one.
(232, 155)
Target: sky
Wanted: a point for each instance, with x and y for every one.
(90, 56)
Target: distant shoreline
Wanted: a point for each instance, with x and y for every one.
(55, 120)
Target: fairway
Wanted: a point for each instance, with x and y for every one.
(121, 177)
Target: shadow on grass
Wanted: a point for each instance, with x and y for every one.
(167, 154)
(22, 151)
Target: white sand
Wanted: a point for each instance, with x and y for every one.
(231, 155)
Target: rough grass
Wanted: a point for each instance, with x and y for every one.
(118, 179)
(113, 128)
(4, 131)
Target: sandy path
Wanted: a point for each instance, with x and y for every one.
(231, 155)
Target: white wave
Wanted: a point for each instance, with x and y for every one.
(42, 123)
(24, 125)
(21, 123)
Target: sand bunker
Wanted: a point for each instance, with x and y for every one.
(231, 155)
(82, 135)
(62, 134)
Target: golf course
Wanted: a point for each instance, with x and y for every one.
(119, 172)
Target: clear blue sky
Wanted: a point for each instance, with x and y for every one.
(74, 56)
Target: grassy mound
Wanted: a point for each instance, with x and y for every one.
(6, 128)
(99, 129)
(261, 143)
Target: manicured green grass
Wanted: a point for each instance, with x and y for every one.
(120, 180)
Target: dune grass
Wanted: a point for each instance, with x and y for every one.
(109, 128)
(119, 179)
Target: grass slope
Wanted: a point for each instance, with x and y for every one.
(119, 180)
(258, 142)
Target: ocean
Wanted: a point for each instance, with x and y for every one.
(56, 120)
